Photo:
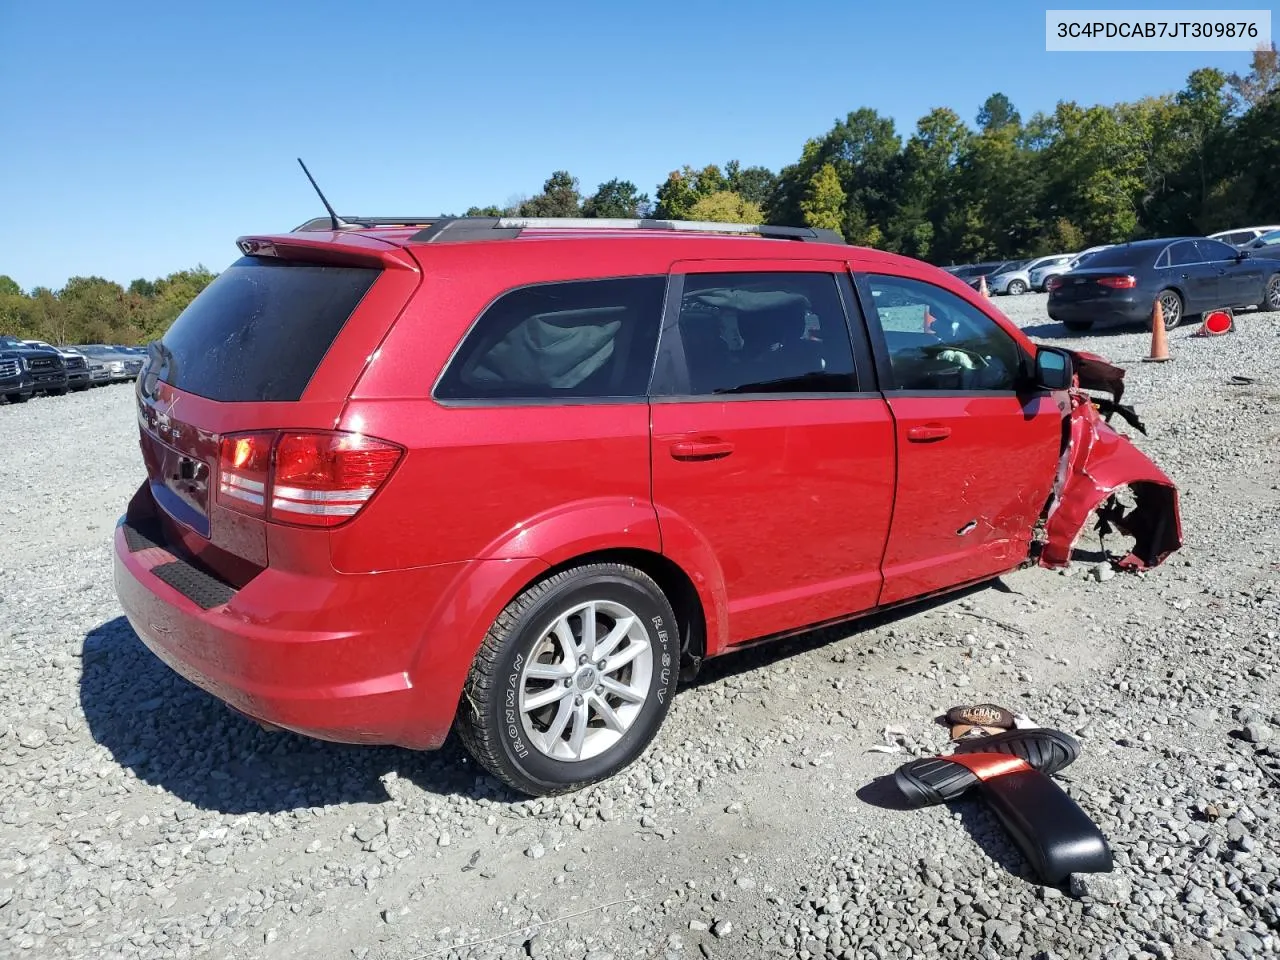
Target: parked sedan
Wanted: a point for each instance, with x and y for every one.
(120, 364)
(1188, 275)
(1015, 279)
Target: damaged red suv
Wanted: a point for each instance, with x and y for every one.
(518, 477)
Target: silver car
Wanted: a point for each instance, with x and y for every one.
(1241, 237)
(1019, 278)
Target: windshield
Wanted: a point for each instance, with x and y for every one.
(11, 342)
(1268, 239)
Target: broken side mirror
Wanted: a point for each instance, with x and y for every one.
(1053, 368)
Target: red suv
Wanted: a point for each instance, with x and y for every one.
(518, 476)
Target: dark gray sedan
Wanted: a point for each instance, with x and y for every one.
(1188, 275)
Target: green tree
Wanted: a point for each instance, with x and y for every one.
(823, 206)
(489, 211)
(618, 199)
(997, 111)
(753, 184)
(559, 198)
(725, 206)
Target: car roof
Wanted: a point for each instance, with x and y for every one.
(695, 240)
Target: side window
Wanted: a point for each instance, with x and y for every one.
(1184, 253)
(937, 341)
(774, 332)
(573, 340)
(1211, 250)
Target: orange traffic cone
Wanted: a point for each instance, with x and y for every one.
(927, 325)
(1159, 337)
(982, 286)
(1216, 323)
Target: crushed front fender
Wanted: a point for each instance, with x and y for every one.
(1096, 464)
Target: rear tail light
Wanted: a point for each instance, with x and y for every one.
(1053, 283)
(313, 479)
(1118, 283)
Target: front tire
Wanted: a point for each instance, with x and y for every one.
(1016, 288)
(573, 679)
(17, 397)
(1271, 294)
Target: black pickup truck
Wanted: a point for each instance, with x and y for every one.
(25, 370)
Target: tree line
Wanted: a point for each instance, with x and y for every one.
(1200, 159)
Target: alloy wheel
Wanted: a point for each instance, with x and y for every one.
(1273, 293)
(1171, 307)
(586, 680)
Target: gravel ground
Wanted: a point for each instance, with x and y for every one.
(142, 819)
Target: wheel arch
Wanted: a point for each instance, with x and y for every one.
(671, 579)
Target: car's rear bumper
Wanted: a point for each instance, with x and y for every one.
(328, 655)
(1111, 312)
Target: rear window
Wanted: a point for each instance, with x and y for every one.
(260, 330)
(1119, 257)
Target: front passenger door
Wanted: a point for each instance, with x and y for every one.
(977, 452)
(1240, 282)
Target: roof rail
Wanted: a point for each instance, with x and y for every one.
(464, 229)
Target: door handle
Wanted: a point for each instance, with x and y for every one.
(928, 433)
(708, 449)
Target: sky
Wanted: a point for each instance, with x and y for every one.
(141, 138)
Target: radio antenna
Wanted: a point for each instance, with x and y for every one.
(337, 221)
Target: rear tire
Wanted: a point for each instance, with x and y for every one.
(1171, 306)
(1044, 284)
(1271, 294)
(1079, 326)
(17, 397)
(539, 712)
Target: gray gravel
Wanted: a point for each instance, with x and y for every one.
(142, 819)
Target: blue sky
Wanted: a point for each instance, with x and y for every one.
(140, 138)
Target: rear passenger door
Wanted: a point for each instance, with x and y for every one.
(772, 454)
(1188, 271)
(977, 449)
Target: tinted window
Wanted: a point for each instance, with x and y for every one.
(573, 340)
(259, 331)
(1242, 237)
(1211, 250)
(937, 341)
(1122, 256)
(1184, 253)
(757, 333)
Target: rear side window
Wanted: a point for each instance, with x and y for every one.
(1181, 254)
(580, 339)
(260, 330)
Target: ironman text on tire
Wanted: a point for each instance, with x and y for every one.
(573, 679)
